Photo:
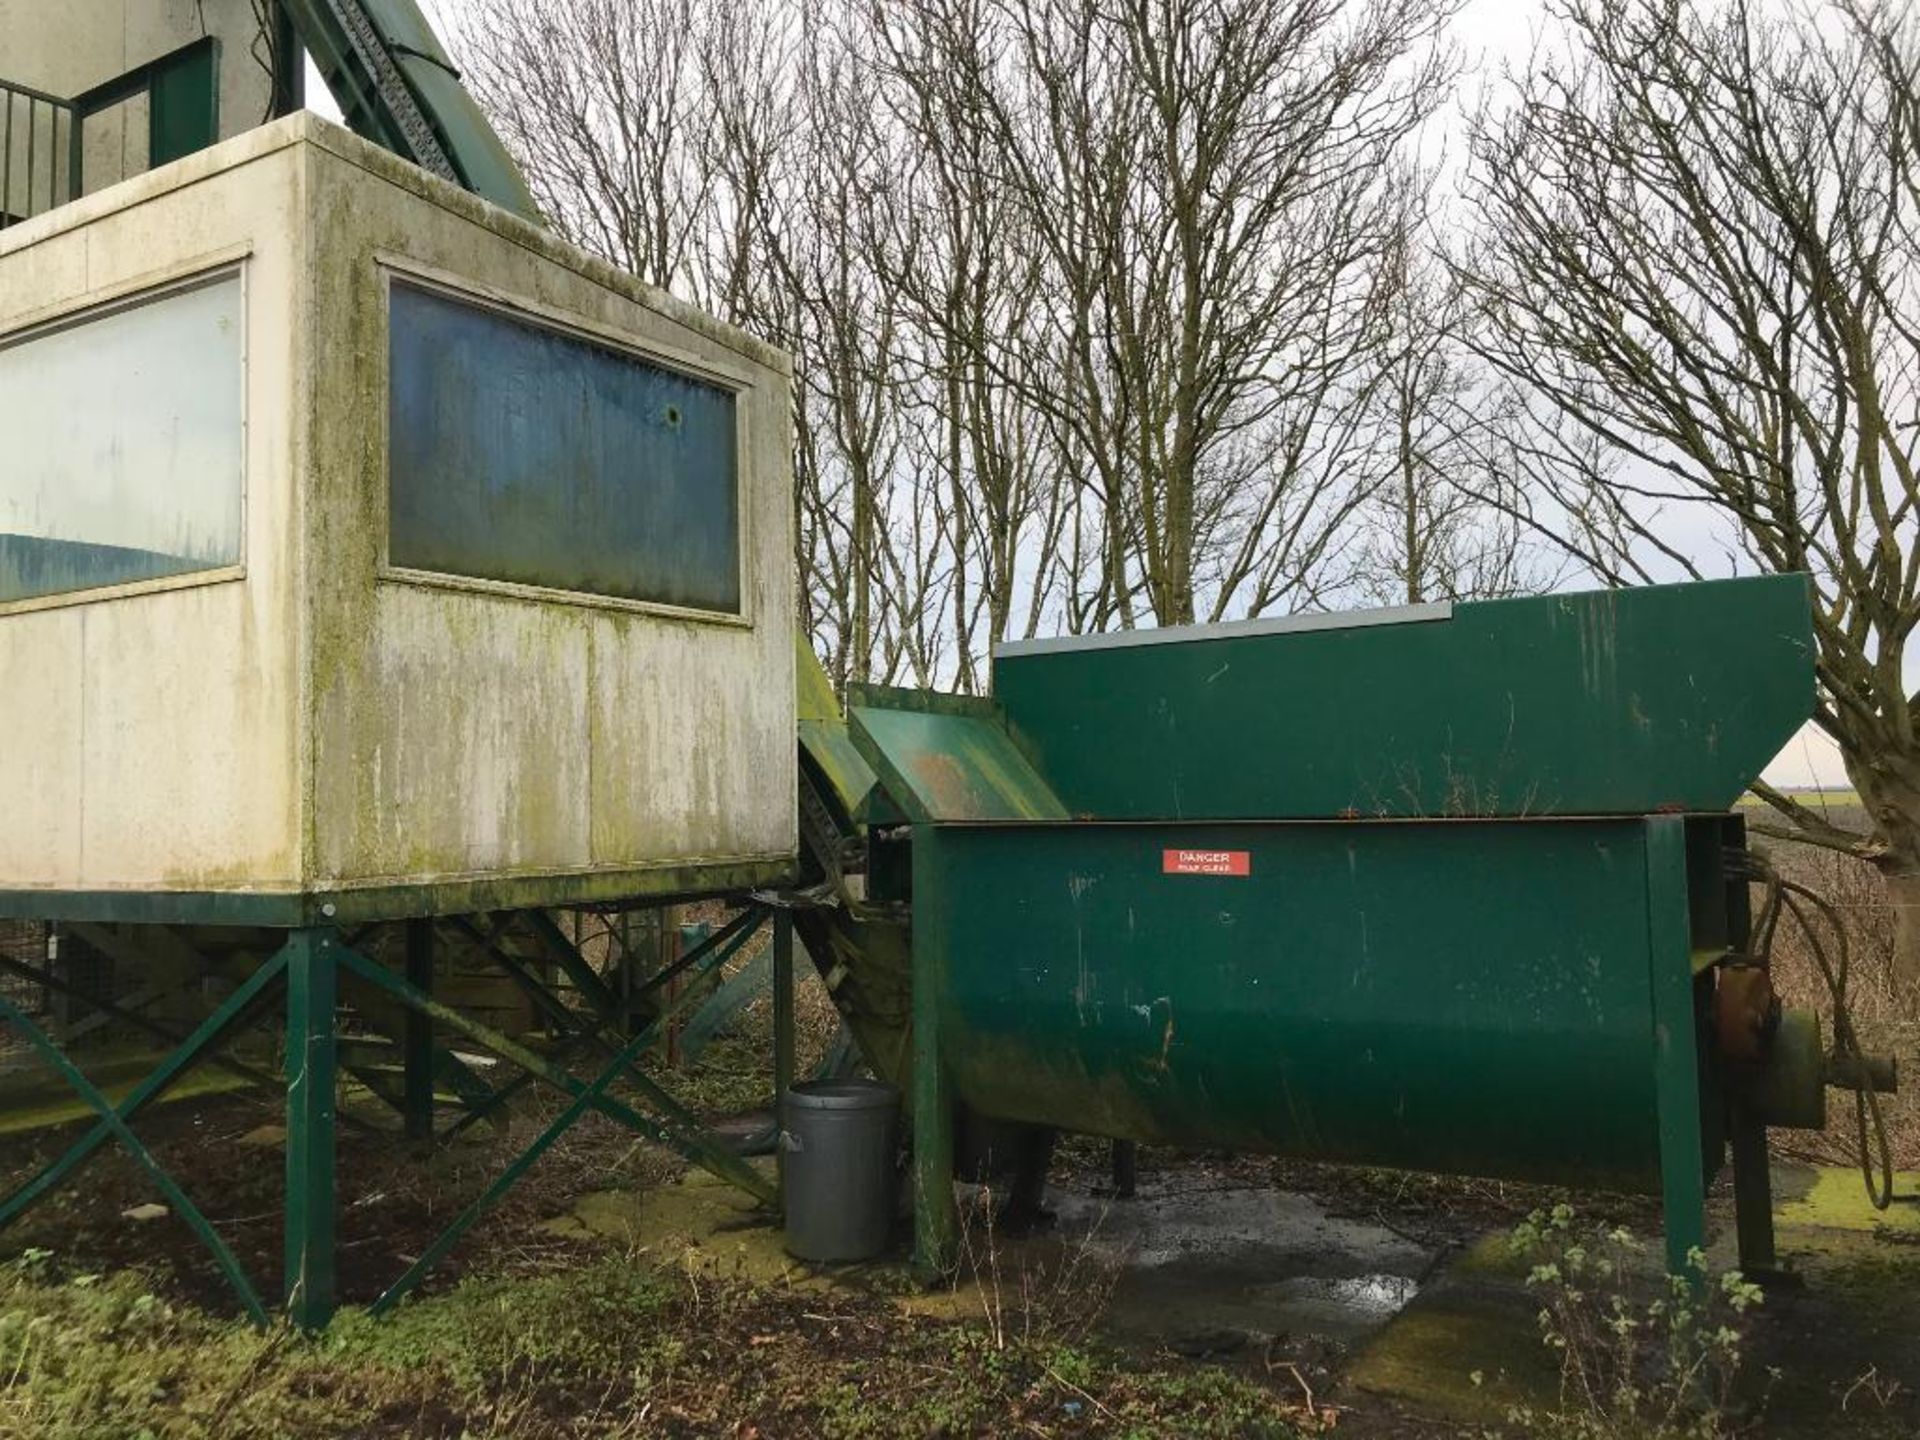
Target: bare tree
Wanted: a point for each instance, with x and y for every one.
(1086, 300)
(1442, 520)
(602, 102)
(1697, 254)
(1197, 184)
(949, 248)
(846, 337)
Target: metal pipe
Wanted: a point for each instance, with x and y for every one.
(1848, 1070)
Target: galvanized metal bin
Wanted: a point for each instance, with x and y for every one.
(837, 1148)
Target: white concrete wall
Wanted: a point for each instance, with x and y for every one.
(153, 733)
(465, 733)
(64, 47)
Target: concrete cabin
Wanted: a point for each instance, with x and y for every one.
(329, 585)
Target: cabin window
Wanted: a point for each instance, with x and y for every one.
(121, 444)
(522, 453)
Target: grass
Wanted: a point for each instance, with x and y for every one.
(609, 1347)
(1835, 797)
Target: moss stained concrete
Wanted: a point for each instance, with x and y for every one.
(41, 1103)
(1835, 1351)
(1455, 1342)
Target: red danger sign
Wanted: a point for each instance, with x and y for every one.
(1206, 862)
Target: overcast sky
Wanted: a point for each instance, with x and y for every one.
(1492, 33)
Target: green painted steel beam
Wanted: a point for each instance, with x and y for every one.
(112, 1011)
(135, 947)
(189, 1053)
(1675, 1047)
(591, 1033)
(450, 1072)
(312, 959)
(567, 956)
(183, 104)
(931, 1095)
(1657, 699)
(585, 1097)
(690, 1145)
(709, 955)
(417, 1036)
(783, 1033)
(652, 884)
(114, 1120)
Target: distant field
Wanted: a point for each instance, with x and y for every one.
(1834, 799)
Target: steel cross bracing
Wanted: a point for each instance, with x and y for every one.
(311, 971)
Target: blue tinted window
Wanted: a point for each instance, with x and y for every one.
(519, 453)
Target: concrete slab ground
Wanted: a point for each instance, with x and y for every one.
(1384, 1322)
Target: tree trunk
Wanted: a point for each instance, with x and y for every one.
(1902, 878)
(1889, 787)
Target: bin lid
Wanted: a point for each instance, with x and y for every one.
(843, 1095)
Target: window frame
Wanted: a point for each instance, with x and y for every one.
(197, 273)
(736, 381)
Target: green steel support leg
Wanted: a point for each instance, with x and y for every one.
(312, 1041)
(1752, 1194)
(782, 1028)
(1676, 1058)
(583, 1097)
(417, 1035)
(935, 1220)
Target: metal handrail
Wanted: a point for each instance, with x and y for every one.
(39, 152)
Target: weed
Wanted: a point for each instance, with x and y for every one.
(611, 1346)
(85, 1355)
(491, 1333)
(1637, 1362)
(1028, 1295)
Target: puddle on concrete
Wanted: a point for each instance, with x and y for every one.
(1343, 1308)
(1255, 1263)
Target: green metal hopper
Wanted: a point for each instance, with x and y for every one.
(1442, 889)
